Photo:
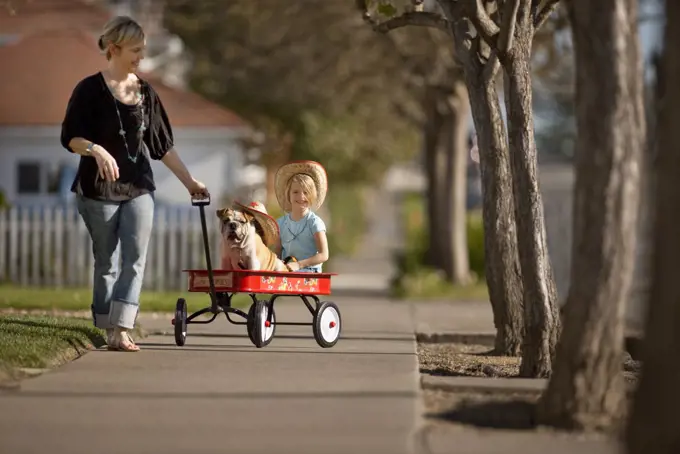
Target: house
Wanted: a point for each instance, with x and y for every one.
(48, 48)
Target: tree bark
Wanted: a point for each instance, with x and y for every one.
(586, 389)
(434, 169)
(541, 311)
(445, 163)
(654, 425)
(270, 187)
(501, 263)
(456, 259)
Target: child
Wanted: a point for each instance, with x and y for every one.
(301, 188)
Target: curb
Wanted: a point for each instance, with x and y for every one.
(484, 385)
(633, 342)
(486, 339)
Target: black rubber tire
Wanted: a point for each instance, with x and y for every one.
(181, 322)
(316, 325)
(255, 324)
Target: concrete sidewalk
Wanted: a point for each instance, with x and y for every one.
(469, 318)
(221, 394)
(441, 321)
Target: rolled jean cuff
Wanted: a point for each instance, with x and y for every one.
(123, 314)
(102, 321)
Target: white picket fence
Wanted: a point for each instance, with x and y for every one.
(50, 246)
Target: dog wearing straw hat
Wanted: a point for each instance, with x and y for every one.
(247, 234)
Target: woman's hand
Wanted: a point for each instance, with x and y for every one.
(196, 188)
(108, 167)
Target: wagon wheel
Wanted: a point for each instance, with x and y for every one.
(180, 322)
(260, 334)
(327, 324)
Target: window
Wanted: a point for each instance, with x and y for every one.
(55, 173)
(39, 178)
(28, 178)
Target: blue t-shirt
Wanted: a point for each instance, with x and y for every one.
(297, 237)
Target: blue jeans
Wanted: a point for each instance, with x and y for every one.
(120, 232)
(308, 269)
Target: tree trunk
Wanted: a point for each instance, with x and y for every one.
(586, 389)
(434, 169)
(654, 425)
(445, 137)
(541, 311)
(456, 256)
(501, 264)
(270, 179)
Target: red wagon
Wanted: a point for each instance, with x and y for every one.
(260, 320)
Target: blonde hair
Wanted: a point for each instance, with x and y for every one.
(306, 183)
(119, 31)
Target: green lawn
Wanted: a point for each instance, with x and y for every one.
(75, 299)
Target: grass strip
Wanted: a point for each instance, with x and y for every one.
(30, 344)
(79, 299)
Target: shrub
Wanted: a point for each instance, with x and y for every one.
(413, 277)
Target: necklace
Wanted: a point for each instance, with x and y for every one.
(296, 235)
(140, 131)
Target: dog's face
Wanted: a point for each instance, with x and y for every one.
(235, 224)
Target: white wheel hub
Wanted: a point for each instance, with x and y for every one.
(267, 331)
(329, 324)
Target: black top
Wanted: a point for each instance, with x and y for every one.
(92, 113)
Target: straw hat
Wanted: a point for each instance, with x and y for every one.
(311, 168)
(269, 225)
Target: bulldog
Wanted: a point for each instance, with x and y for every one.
(242, 243)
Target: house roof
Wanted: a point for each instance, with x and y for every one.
(44, 66)
(30, 16)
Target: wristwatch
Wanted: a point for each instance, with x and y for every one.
(90, 147)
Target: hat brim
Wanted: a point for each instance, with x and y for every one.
(312, 168)
(269, 225)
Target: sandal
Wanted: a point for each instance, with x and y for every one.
(124, 343)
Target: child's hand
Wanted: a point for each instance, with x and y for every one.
(293, 265)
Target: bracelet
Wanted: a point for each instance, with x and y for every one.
(90, 147)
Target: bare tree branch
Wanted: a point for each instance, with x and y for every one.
(507, 33)
(491, 68)
(424, 19)
(542, 14)
(485, 26)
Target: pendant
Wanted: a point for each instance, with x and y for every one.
(133, 159)
(122, 132)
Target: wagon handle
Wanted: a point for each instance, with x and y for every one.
(201, 204)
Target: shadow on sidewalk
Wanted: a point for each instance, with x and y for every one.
(516, 414)
(374, 337)
(216, 348)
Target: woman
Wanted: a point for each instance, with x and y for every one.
(116, 122)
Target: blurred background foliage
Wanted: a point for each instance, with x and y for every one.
(317, 83)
